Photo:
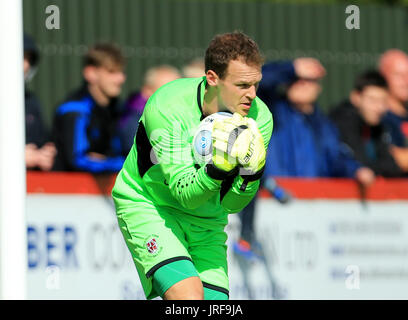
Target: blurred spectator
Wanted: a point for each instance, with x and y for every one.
(393, 64)
(85, 124)
(39, 151)
(359, 123)
(194, 69)
(154, 78)
(304, 143)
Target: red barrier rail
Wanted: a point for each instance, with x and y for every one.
(85, 183)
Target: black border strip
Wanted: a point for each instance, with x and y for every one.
(216, 288)
(144, 147)
(199, 100)
(164, 262)
(218, 174)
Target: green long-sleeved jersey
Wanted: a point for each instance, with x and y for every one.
(160, 168)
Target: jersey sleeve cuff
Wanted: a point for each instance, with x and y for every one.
(249, 177)
(218, 174)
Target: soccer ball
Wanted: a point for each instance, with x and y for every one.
(202, 142)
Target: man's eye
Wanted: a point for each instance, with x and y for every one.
(243, 86)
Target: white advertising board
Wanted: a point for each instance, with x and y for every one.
(325, 249)
(314, 249)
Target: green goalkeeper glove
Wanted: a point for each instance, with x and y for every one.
(230, 138)
(253, 159)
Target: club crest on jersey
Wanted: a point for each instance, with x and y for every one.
(152, 244)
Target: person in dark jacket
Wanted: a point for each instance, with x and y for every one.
(85, 125)
(359, 122)
(305, 143)
(39, 151)
(393, 65)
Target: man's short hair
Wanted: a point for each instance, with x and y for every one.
(370, 78)
(104, 55)
(30, 50)
(231, 46)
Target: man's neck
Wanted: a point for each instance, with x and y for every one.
(306, 108)
(100, 98)
(210, 104)
(397, 107)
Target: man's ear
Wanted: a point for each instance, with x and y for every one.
(89, 73)
(212, 78)
(355, 98)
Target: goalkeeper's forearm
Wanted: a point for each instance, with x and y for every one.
(237, 199)
(194, 187)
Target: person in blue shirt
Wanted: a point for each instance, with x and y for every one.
(85, 125)
(305, 143)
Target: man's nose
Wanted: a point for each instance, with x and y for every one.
(252, 93)
(121, 77)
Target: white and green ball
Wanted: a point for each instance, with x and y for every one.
(202, 141)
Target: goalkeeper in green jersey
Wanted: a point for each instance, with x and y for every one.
(171, 210)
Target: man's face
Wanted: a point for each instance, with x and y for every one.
(27, 66)
(164, 77)
(161, 78)
(397, 79)
(109, 80)
(371, 103)
(304, 93)
(238, 88)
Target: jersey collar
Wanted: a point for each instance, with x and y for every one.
(200, 95)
